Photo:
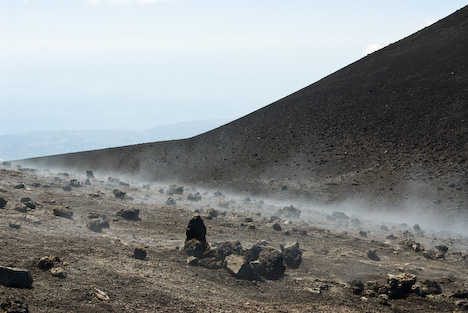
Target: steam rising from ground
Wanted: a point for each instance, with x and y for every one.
(377, 221)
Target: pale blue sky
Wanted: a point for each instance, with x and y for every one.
(136, 64)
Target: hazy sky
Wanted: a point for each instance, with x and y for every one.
(136, 64)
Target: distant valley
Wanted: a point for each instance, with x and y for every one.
(43, 143)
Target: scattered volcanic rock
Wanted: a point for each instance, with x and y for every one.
(89, 174)
(120, 194)
(139, 253)
(210, 213)
(399, 286)
(47, 262)
(63, 212)
(357, 287)
(292, 255)
(131, 214)
(195, 247)
(14, 225)
(372, 254)
(175, 190)
(22, 209)
(3, 203)
(15, 277)
(225, 249)
(13, 305)
(428, 287)
(253, 252)
(271, 264)
(97, 225)
(239, 267)
(74, 183)
(170, 201)
(19, 186)
(58, 272)
(336, 215)
(196, 229)
(194, 196)
(289, 212)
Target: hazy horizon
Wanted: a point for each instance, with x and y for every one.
(137, 64)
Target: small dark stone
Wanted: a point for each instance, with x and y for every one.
(89, 174)
(22, 209)
(14, 225)
(170, 201)
(63, 212)
(19, 186)
(25, 199)
(277, 226)
(175, 190)
(97, 225)
(120, 195)
(357, 286)
(47, 262)
(129, 214)
(372, 254)
(3, 203)
(139, 253)
(74, 183)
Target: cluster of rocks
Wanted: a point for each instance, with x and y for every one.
(97, 222)
(437, 253)
(48, 263)
(26, 204)
(288, 212)
(251, 264)
(396, 287)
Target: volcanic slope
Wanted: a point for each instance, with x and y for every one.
(390, 126)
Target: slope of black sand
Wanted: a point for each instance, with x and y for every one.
(390, 127)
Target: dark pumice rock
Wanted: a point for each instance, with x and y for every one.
(292, 255)
(196, 230)
(3, 203)
(372, 254)
(271, 264)
(175, 190)
(195, 247)
(15, 277)
(63, 212)
(239, 267)
(129, 214)
(139, 253)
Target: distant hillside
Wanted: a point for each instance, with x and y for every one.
(393, 126)
(43, 143)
